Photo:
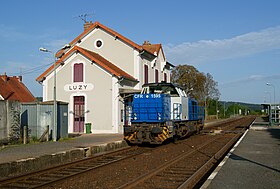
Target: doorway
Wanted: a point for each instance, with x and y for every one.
(79, 113)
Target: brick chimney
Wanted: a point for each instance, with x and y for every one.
(19, 78)
(87, 25)
(5, 77)
(146, 43)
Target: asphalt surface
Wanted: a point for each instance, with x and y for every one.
(13, 153)
(255, 163)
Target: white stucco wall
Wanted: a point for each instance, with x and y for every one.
(98, 100)
(113, 49)
(103, 100)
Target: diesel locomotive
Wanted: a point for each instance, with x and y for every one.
(160, 112)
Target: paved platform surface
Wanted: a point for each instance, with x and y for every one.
(255, 163)
(14, 153)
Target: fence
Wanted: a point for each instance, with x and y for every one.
(36, 116)
(9, 119)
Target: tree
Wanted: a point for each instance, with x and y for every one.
(190, 79)
(210, 91)
(197, 84)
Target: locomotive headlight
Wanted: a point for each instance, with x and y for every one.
(159, 116)
(135, 116)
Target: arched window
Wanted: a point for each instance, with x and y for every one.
(78, 72)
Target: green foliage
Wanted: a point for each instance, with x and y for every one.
(213, 106)
(197, 84)
(229, 109)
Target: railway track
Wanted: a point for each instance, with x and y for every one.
(53, 175)
(178, 173)
(166, 167)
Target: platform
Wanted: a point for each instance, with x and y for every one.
(254, 163)
(20, 159)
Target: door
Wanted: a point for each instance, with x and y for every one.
(79, 113)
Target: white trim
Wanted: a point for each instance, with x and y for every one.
(153, 62)
(102, 43)
(86, 37)
(44, 90)
(115, 105)
(1, 97)
(137, 73)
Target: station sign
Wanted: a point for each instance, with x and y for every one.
(78, 87)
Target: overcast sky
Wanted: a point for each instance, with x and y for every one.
(238, 42)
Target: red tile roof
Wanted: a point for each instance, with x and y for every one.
(99, 25)
(96, 58)
(152, 48)
(11, 88)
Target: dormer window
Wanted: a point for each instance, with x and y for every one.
(78, 72)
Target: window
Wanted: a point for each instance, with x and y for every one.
(146, 74)
(156, 76)
(98, 43)
(165, 77)
(78, 72)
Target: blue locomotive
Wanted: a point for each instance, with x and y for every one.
(163, 111)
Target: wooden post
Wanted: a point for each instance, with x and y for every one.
(25, 135)
(48, 132)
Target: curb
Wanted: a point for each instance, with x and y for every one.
(23, 166)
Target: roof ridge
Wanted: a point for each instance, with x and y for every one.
(96, 25)
(106, 64)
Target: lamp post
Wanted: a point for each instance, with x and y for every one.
(67, 46)
(54, 95)
(269, 84)
(269, 106)
(269, 96)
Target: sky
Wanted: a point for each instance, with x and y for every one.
(237, 41)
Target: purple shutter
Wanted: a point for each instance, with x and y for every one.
(78, 72)
(146, 78)
(156, 76)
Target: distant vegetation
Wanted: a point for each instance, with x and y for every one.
(204, 88)
(228, 109)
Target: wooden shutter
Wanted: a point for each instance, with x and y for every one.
(78, 72)
(156, 76)
(146, 74)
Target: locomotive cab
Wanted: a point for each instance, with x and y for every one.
(162, 111)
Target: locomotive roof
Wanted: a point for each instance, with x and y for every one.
(162, 84)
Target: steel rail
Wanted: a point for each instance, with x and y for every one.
(153, 172)
(197, 176)
(52, 175)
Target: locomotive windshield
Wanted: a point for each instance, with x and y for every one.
(162, 89)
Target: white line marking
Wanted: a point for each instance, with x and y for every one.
(213, 175)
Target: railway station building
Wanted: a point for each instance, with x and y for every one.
(98, 73)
